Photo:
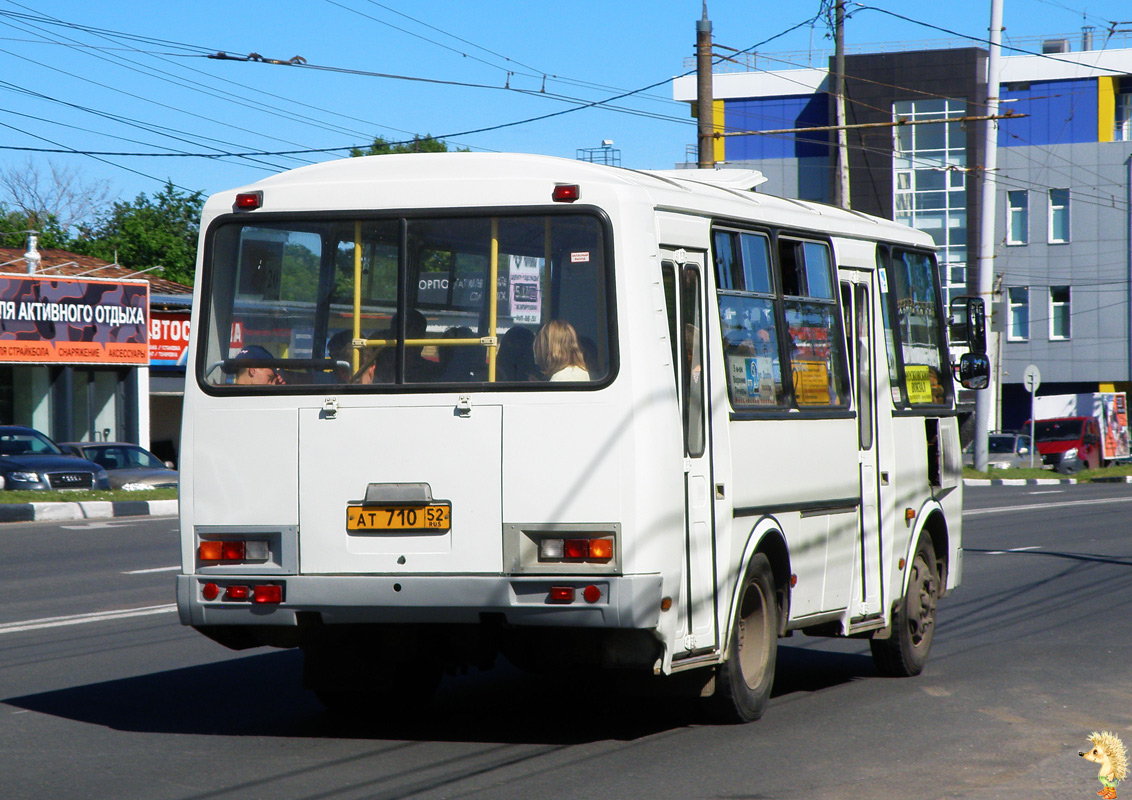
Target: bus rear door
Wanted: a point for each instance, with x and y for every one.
(685, 296)
(856, 297)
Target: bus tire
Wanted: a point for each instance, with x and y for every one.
(905, 652)
(743, 682)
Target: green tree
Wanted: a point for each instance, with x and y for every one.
(15, 224)
(149, 232)
(420, 144)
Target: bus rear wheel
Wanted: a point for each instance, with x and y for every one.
(905, 652)
(743, 682)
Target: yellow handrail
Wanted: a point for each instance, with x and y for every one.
(355, 353)
(493, 302)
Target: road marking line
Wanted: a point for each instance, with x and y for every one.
(80, 619)
(154, 569)
(971, 512)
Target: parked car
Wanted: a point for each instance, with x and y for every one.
(1004, 450)
(30, 460)
(128, 465)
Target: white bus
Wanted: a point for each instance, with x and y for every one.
(446, 407)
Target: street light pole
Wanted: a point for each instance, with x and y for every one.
(984, 400)
(705, 107)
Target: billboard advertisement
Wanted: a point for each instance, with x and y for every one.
(168, 338)
(73, 321)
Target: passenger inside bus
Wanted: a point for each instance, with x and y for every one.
(516, 359)
(340, 348)
(418, 369)
(255, 375)
(461, 363)
(558, 354)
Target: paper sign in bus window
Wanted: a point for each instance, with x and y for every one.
(811, 383)
(752, 381)
(917, 378)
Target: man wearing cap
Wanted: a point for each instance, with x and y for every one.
(255, 375)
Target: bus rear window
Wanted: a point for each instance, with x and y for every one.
(437, 301)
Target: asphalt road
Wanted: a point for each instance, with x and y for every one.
(103, 694)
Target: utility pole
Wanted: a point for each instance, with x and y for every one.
(984, 400)
(705, 109)
(841, 186)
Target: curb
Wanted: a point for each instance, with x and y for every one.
(1018, 481)
(93, 509)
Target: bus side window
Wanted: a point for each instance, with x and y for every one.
(668, 278)
(747, 319)
(816, 346)
(924, 371)
(694, 377)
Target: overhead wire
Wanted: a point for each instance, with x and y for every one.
(581, 106)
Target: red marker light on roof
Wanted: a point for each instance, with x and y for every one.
(249, 201)
(566, 193)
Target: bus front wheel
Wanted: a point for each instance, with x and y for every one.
(743, 682)
(905, 652)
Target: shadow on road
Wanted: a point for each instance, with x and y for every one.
(261, 695)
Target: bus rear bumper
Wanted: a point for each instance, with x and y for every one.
(631, 601)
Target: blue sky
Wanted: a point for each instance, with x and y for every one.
(127, 77)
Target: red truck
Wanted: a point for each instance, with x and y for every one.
(1068, 444)
(1081, 431)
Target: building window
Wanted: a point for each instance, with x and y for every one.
(1059, 312)
(1018, 217)
(1018, 320)
(929, 180)
(1058, 216)
(1123, 131)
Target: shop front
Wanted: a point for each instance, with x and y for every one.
(74, 354)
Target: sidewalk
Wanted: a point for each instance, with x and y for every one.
(1018, 481)
(1039, 481)
(92, 509)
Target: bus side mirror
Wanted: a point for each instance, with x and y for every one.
(974, 371)
(968, 324)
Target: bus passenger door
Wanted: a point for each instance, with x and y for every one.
(856, 299)
(685, 296)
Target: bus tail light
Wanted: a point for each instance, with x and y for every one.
(268, 594)
(229, 551)
(576, 549)
(262, 594)
(585, 550)
(561, 594)
(601, 549)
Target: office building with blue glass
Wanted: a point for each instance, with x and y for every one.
(1062, 260)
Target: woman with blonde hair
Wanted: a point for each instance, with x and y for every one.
(558, 353)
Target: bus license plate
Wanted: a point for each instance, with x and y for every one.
(436, 517)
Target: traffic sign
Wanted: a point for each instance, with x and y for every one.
(1032, 378)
